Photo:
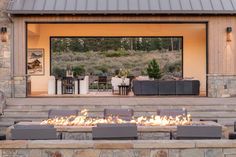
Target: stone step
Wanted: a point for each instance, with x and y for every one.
(173, 101)
(6, 123)
(210, 114)
(11, 120)
(227, 108)
(119, 104)
(16, 115)
(36, 109)
(41, 110)
(196, 115)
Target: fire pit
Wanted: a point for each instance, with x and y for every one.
(149, 128)
(83, 120)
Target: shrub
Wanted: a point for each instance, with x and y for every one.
(153, 70)
(101, 69)
(78, 70)
(59, 72)
(173, 67)
(143, 72)
(118, 53)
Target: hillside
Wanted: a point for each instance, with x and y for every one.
(96, 63)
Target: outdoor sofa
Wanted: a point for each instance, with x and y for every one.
(166, 87)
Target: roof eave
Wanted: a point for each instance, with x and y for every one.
(120, 12)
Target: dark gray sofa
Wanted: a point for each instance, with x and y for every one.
(162, 87)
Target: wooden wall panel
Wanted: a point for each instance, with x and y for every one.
(19, 48)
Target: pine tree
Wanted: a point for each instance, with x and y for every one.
(153, 70)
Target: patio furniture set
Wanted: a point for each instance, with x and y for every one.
(70, 85)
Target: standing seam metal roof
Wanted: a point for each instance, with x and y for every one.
(122, 7)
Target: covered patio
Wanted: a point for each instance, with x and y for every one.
(193, 56)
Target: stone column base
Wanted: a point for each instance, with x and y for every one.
(20, 87)
(221, 85)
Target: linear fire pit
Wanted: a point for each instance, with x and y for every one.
(152, 127)
(144, 132)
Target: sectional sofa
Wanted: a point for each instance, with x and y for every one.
(166, 87)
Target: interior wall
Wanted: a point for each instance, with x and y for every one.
(194, 42)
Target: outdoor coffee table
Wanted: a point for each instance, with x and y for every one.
(123, 89)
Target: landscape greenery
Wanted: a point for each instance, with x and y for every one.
(105, 55)
(153, 69)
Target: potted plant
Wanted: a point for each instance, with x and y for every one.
(153, 70)
(123, 73)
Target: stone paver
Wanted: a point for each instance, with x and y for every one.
(214, 153)
(192, 153)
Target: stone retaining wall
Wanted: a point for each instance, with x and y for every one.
(139, 148)
(141, 135)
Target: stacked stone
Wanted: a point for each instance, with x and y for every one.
(5, 52)
(191, 148)
(221, 85)
(141, 136)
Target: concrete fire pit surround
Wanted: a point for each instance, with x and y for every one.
(137, 148)
(144, 132)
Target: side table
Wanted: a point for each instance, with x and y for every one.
(123, 89)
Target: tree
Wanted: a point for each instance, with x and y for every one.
(76, 45)
(155, 44)
(110, 44)
(91, 44)
(153, 69)
(166, 43)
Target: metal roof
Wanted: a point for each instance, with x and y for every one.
(122, 7)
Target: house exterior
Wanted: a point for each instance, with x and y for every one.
(207, 28)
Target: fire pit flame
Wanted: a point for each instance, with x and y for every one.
(84, 120)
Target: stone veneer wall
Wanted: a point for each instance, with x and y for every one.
(221, 85)
(12, 86)
(191, 148)
(5, 52)
(141, 135)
